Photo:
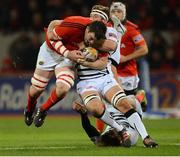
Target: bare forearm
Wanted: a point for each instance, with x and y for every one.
(105, 45)
(99, 64)
(141, 51)
(95, 65)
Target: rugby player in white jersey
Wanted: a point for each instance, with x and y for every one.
(96, 80)
(110, 137)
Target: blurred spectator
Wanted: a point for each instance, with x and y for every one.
(176, 46)
(150, 15)
(169, 62)
(23, 52)
(157, 50)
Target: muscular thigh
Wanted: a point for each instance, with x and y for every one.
(116, 97)
(44, 73)
(65, 77)
(114, 94)
(40, 79)
(93, 101)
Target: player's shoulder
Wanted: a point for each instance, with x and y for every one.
(78, 19)
(131, 26)
(111, 30)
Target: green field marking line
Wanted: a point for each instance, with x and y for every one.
(38, 148)
(52, 147)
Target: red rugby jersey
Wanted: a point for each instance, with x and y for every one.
(130, 40)
(71, 32)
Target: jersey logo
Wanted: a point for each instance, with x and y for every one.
(138, 38)
(123, 45)
(112, 35)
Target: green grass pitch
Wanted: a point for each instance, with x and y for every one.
(63, 136)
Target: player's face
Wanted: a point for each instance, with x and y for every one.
(89, 38)
(118, 13)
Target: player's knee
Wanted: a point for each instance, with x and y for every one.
(39, 83)
(93, 104)
(120, 101)
(65, 80)
(61, 88)
(98, 110)
(124, 105)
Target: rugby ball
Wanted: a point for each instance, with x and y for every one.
(90, 53)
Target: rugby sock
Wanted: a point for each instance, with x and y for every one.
(31, 103)
(107, 118)
(100, 125)
(135, 121)
(138, 107)
(52, 100)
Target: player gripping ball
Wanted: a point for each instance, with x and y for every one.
(90, 53)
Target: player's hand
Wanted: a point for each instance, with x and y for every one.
(75, 55)
(84, 62)
(81, 61)
(118, 25)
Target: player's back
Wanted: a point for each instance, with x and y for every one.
(71, 31)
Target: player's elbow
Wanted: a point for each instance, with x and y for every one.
(144, 50)
(112, 45)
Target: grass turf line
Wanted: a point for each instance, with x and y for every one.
(64, 136)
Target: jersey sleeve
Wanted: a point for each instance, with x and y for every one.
(112, 34)
(137, 37)
(115, 57)
(62, 32)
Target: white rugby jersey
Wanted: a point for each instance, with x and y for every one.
(114, 58)
(118, 116)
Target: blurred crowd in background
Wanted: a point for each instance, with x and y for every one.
(158, 19)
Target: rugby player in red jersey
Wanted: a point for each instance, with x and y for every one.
(59, 56)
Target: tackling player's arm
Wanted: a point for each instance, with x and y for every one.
(105, 45)
(60, 33)
(109, 44)
(99, 64)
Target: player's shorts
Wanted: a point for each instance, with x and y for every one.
(49, 60)
(129, 83)
(101, 84)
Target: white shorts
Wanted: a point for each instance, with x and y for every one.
(49, 60)
(101, 84)
(129, 83)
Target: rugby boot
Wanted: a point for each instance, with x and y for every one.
(40, 117)
(149, 142)
(28, 117)
(142, 98)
